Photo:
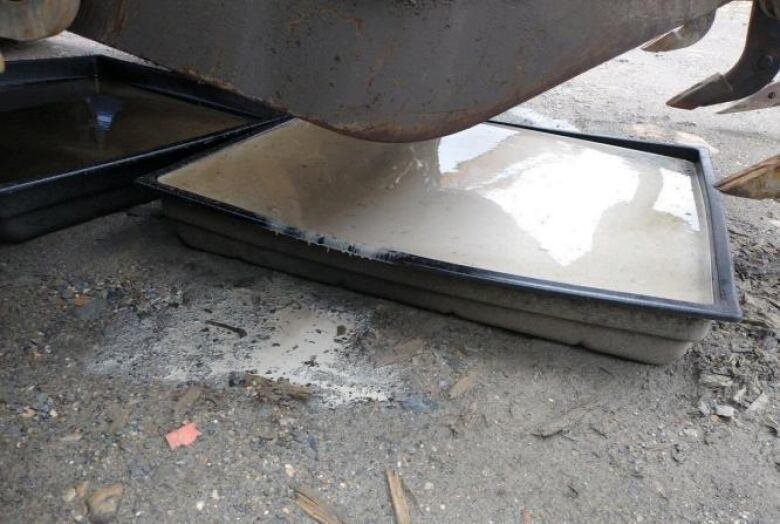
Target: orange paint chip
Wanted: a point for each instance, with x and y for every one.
(184, 436)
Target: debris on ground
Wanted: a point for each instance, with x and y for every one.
(463, 419)
(759, 404)
(400, 353)
(184, 436)
(715, 381)
(241, 332)
(117, 419)
(315, 507)
(562, 424)
(724, 411)
(398, 497)
(69, 494)
(186, 401)
(103, 504)
(80, 300)
(773, 426)
(463, 385)
(267, 390)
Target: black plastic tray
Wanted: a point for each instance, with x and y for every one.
(52, 200)
(639, 327)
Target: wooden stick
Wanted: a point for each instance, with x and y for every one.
(759, 181)
(397, 495)
(311, 504)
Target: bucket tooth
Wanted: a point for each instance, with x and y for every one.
(758, 65)
(684, 36)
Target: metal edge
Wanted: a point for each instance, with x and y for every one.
(725, 306)
(723, 276)
(93, 64)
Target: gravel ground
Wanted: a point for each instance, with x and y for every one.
(108, 341)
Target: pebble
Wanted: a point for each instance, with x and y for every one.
(724, 411)
(428, 486)
(200, 505)
(69, 495)
(715, 381)
(759, 404)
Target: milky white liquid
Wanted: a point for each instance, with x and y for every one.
(493, 197)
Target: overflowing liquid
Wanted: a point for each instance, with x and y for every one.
(54, 127)
(492, 197)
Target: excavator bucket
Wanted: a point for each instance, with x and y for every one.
(395, 70)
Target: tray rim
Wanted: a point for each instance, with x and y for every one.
(725, 305)
(63, 69)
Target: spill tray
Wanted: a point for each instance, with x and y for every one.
(76, 132)
(615, 245)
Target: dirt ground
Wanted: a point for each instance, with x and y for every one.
(108, 342)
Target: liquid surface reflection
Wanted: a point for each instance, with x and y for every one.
(492, 197)
(55, 127)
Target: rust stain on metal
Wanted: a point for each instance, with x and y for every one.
(222, 84)
(113, 31)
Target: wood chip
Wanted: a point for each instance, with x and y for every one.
(312, 504)
(398, 497)
(759, 181)
(82, 488)
(463, 385)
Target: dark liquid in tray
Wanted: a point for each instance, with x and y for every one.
(56, 127)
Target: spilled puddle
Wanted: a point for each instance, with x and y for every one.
(307, 347)
(240, 330)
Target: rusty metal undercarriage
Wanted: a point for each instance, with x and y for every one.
(406, 70)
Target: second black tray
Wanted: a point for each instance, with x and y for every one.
(76, 132)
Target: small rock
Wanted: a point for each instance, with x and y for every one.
(715, 381)
(428, 486)
(69, 495)
(724, 411)
(104, 504)
(43, 403)
(289, 470)
(200, 505)
(72, 437)
(759, 404)
(691, 434)
(739, 395)
(236, 379)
